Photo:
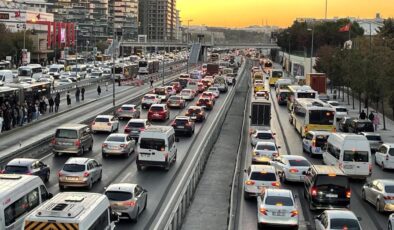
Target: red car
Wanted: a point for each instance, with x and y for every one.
(201, 87)
(208, 95)
(206, 103)
(177, 86)
(158, 112)
(196, 113)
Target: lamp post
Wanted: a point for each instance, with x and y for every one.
(289, 53)
(325, 15)
(188, 30)
(313, 32)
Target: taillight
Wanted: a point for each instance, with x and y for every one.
(388, 197)
(129, 203)
(59, 174)
(173, 123)
(86, 174)
(275, 154)
(29, 173)
(313, 143)
(249, 182)
(77, 143)
(53, 141)
(313, 191)
(275, 184)
(348, 194)
(127, 130)
(188, 124)
(334, 130)
(263, 211)
(294, 213)
(142, 129)
(293, 170)
(104, 145)
(2, 171)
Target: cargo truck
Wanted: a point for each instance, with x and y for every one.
(212, 69)
(260, 114)
(317, 81)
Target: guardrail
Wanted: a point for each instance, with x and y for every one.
(174, 213)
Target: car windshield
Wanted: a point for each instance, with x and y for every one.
(66, 133)
(191, 111)
(334, 103)
(389, 188)
(279, 201)
(263, 176)
(152, 143)
(321, 117)
(341, 110)
(175, 98)
(365, 126)
(306, 95)
(101, 119)
(160, 91)
(73, 168)
(16, 169)
(136, 124)
(341, 181)
(181, 121)
(127, 108)
(391, 152)
(53, 69)
(118, 195)
(374, 138)
(355, 156)
(265, 147)
(299, 163)
(156, 108)
(264, 136)
(95, 74)
(116, 139)
(348, 224)
(149, 97)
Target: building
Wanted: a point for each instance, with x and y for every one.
(178, 25)
(158, 19)
(124, 15)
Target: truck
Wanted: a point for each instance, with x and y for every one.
(260, 113)
(212, 69)
(221, 83)
(317, 81)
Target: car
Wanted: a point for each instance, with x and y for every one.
(171, 90)
(28, 166)
(105, 123)
(358, 126)
(73, 139)
(291, 167)
(183, 125)
(261, 135)
(208, 95)
(384, 156)
(380, 193)
(266, 148)
(128, 199)
(326, 187)
(340, 112)
(337, 219)
(196, 113)
(95, 75)
(80, 172)
(215, 91)
(177, 86)
(282, 96)
(74, 77)
(374, 139)
(314, 142)
(150, 99)
(277, 207)
(261, 160)
(344, 123)
(262, 94)
(176, 102)
(135, 126)
(128, 111)
(184, 80)
(259, 177)
(206, 103)
(63, 81)
(324, 97)
(158, 112)
(333, 103)
(207, 82)
(187, 94)
(162, 93)
(200, 87)
(118, 144)
(390, 223)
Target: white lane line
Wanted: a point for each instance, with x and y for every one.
(125, 177)
(45, 157)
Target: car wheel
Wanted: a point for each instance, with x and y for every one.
(47, 175)
(167, 166)
(91, 147)
(311, 207)
(246, 195)
(139, 167)
(376, 162)
(80, 152)
(310, 151)
(56, 154)
(283, 178)
(377, 206)
(101, 176)
(146, 202)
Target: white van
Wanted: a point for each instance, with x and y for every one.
(6, 76)
(19, 194)
(157, 147)
(73, 210)
(80, 69)
(55, 70)
(350, 152)
(30, 71)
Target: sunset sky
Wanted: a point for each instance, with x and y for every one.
(241, 13)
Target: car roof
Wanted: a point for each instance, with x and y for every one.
(259, 168)
(390, 145)
(264, 131)
(342, 214)
(158, 105)
(182, 118)
(118, 135)
(315, 132)
(328, 169)
(175, 96)
(293, 157)
(72, 126)
(370, 134)
(123, 187)
(138, 120)
(266, 143)
(128, 105)
(150, 94)
(195, 107)
(278, 192)
(77, 160)
(22, 161)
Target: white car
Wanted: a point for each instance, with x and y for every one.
(390, 222)
(171, 91)
(259, 177)
(384, 156)
(214, 90)
(291, 167)
(340, 112)
(261, 135)
(106, 123)
(333, 103)
(314, 141)
(337, 219)
(150, 99)
(187, 94)
(374, 139)
(63, 81)
(277, 207)
(266, 148)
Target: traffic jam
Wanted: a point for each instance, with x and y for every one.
(309, 185)
(147, 130)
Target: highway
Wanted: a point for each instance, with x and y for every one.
(290, 141)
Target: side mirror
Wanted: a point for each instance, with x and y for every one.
(100, 165)
(245, 171)
(250, 116)
(359, 218)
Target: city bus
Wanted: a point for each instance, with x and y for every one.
(275, 75)
(297, 91)
(312, 114)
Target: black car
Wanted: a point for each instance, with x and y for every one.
(344, 123)
(183, 125)
(326, 187)
(28, 166)
(358, 126)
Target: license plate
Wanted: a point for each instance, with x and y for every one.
(72, 178)
(194, 117)
(113, 147)
(65, 143)
(134, 131)
(147, 154)
(332, 195)
(348, 166)
(181, 127)
(279, 213)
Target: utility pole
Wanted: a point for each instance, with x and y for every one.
(326, 11)
(76, 49)
(313, 31)
(113, 68)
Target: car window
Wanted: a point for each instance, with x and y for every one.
(355, 156)
(152, 143)
(101, 119)
(66, 133)
(116, 138)
(263, 176)
(74, 168)
(181, 121)
(341, 181)
(391, 151)
(156, 108)
(299, 163)
(265, 147)
(94, 163)
(348, 224)
(16, 169)
(279, 201)
(136, 125)
(374, 138)
(264, 136)
(119, 195)
(389, 188)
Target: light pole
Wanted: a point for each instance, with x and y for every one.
(313, 31)
(289, 53)
(76, 50)
(113, 68)
(325, 15)
(188, 30)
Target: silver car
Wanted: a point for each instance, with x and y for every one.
(80, 172)
(277, 207)
(128, 199)
(118, 144)
(291, 167)
(187, 94)
(380, 193)
(128, 111)
(261, 135)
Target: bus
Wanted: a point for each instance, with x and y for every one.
(297, 91)
(125, 70)
(260, 113)
(71, 60)
(275, 75)
(148, 67)
(312, 114)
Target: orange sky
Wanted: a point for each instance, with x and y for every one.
(241, 13)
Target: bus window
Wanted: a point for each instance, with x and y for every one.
(321, 117)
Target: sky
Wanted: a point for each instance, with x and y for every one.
(242, 13)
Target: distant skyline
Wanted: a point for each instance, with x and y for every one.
(243, 13)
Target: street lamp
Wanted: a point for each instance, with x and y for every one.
(289, 52)
(188, 30)
(313, 31)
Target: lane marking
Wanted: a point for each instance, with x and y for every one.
(125, 177)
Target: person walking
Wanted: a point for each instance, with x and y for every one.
(51, 102)
(371, 116)
(77, 92)
(363, 115)
(98, 90)
(151, 81)
(376, 121)
(68, 99)
(57, 102)
(83, 93)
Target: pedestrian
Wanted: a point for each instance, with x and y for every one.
(371, 116)
(83, 93)
(51, 102)
(68, 99)
(363, 115)
(98, 90)
(20, 115)
(151, 81)
(77, 92)
(15, 117)
(57, 102)
(119, 83)
(376, 121)
(1, 120)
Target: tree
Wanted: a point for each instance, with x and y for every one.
(387, 30)
(12, 43)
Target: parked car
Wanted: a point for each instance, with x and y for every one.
(128, 111)
(28, 166)
(118, 144)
